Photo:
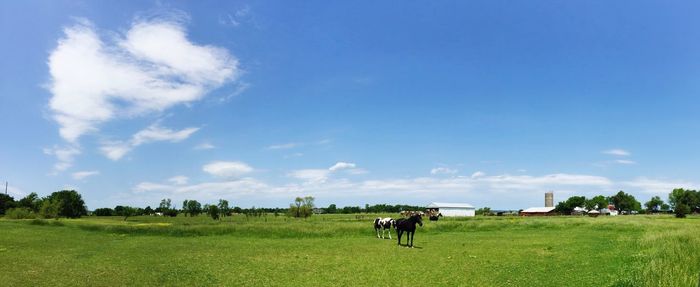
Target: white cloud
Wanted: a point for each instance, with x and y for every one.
(341, 166)
(321, 175)
(149, 68)
(284, 146)
(625, 161)
(115, 150)
(659, 187)
(443, 170)
(617, 152)
(178, 180)
(311, 175)
(227, 168)
(64, 155)
(204, 146)
(83, 174)
(478, 174)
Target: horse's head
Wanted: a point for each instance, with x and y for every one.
(418, 219)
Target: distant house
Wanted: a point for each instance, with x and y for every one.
(453, 209)
(538, 211)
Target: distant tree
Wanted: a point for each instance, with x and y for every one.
(483, 211)
(6, 202)
(597, 202)
(191, 207)
(237, 210)
(566, 207)
(683, 201)
(213, 211)
(625, 202)
(128, 211)
(665, 207)
(654, 204)
(332, 209)
(148, 210)
(50, 208)
(224, 209)
(103, 212)
(71, 203)
(165, 204)
(302, 207)
(31, 201)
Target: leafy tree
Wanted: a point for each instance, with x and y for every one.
(148, 210)
(31, 201)
(332, 209)
(213, 211)
(191, 207)
(71, 203)
(684, 201)
(165, 204)
(224, 209)
(50, 208)
(302, 207)
(128, 211)
(483, 211)
(103, 212)
(597, 202)
(665, 207)
(6, 202)
(654, 204)
(566, 207)
(626, 202)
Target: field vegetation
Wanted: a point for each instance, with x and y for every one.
(268, 250)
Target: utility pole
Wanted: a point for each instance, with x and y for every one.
(5, 187)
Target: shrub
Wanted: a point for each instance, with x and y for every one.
(20, 213)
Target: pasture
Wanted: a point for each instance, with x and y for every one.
(342, 250)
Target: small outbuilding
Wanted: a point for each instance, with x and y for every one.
(452, 209)
(538, 211)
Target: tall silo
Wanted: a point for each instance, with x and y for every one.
(549, 199)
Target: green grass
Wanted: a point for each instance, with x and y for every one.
(342, 250)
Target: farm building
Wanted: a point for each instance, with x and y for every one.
(453, 209)
(538, 211)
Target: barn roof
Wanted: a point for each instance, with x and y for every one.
(447, 204)
(539, 209)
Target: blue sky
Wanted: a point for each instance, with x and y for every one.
(491, 103)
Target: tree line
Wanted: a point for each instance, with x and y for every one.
(680, 201)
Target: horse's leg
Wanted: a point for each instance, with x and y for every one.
(389, 231)
(398, 234)
(377, 230)
(412, 233)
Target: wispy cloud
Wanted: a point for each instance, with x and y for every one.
(284, 146)
(617, 152)
(178, 180)
(65, 156)
(625, 161)
(443, 170)
(204, 146)
(115, 150)
(83, 174)
(227, 168)
(321, 175)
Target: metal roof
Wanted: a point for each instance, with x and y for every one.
(539, 209)
(449, 205)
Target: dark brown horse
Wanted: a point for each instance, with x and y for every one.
(408, 225)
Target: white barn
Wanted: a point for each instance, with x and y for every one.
(453, 209)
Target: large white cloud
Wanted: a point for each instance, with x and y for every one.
(150, 67)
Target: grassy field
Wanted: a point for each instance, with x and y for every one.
(342, 250)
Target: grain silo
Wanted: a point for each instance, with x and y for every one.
(549, 199)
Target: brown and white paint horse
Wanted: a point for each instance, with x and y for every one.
(383, 225)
